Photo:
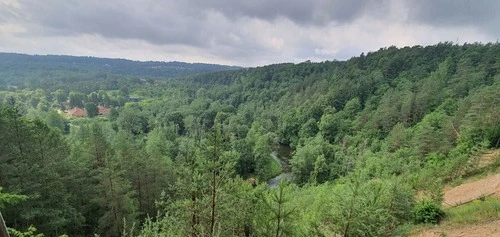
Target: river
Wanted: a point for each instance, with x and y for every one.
(282, 156)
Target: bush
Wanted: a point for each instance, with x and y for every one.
(428, 212)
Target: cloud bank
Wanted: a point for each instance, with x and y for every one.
(244, 32)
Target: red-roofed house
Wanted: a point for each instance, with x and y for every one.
(103, 110)
(78, 112)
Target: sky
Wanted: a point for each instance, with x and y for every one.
(240, 32)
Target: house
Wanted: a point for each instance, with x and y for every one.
(78, 112)
(104, 111)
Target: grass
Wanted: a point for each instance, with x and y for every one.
(275, 168)
(457, 182)
(492, 168)
(479, 173)
(476, 211)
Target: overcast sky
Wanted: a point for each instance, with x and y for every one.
(239, 32)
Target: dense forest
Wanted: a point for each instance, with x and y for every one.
(354, 141)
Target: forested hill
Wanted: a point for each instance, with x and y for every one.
(191, 156)
(383, 88)
(16, 67)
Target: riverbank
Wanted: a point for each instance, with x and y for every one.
(282, 160)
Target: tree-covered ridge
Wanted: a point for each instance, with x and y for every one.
(26, 70)
(367, 134)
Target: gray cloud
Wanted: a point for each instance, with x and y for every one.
(244, 32)
(299, 11)
(172, 22)
(113, 19)
(483, 14)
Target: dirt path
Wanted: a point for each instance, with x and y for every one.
(471, 191)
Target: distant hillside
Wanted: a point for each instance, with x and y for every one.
(16, 68)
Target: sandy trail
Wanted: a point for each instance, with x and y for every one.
(471, 191)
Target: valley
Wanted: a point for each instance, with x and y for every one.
(394, 142)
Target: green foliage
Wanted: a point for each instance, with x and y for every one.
(308, 129)
(475, 212)
(397, 138)
(133, 121)
(36, 155)
(363, 135)
(10, 199)
(354, 207)
(275, 169)
(428, 212)
(315, 161)
(30, 232)
(91, 109)
(365, 208)
(280, 213)
(90, 70)
(76, 99)
(330, 126)
(117, 200)
(55, 120)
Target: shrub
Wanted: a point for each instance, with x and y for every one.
(428, 212)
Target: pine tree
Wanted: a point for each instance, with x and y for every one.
(280, 220)
(220, 165)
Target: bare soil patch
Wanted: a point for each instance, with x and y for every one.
(471, 191)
